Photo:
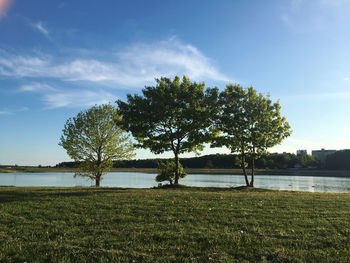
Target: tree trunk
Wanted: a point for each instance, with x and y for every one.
(99, 174)
(244, 170)
(253, 169)
(177, 169)
(98, 179)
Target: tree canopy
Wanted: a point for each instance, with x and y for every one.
(93, 139)
(172, 116)
(220, 161)
(167, 171)
(338, 160)
(250, 123)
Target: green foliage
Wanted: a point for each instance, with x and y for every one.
(340, 160)
(250, 124)
(173, 116)
(286, 160)
(227, 161)
(172, 225)
(306, 160)
(167, 172)
(93, 139)
(209, 164)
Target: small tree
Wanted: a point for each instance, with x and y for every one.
(167, 172)
(250, 124)
(173, 116)
(93, 139)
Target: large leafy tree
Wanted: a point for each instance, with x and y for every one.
(94, 140)
(250, 124)
(172, 116)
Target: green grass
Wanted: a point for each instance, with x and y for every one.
(172, 225)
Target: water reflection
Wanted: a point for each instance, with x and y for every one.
(144, 180)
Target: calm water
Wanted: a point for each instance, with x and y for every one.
(144, 180)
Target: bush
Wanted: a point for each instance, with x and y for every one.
(167, 171)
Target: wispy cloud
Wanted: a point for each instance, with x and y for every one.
(59, 97)
(168, 57)
(4, 5)
(36, 87)
(22, 66)
(313, 15)
(39, 26)
(133, 66)
(130, 67)
(12, 111)
(78, 98)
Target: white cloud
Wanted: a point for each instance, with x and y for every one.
(346, 78)
(167, 58)
(36, 87)
(59, 97)
(12, 111)
(134, 66)
(5, 112)
(79, 98)
(22, 66)
(39, 26)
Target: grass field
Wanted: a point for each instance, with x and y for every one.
(172, 225)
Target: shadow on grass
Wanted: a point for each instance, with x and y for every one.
(212, 189)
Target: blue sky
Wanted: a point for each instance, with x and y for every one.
(59, 57)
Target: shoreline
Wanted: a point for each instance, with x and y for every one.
(258, 172)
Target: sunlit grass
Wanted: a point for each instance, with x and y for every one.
(172, 225)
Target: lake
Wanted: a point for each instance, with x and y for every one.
(146, 180)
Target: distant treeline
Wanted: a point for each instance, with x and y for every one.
(228, 161)
(340, 160)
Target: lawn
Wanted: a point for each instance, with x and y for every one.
(172, 225)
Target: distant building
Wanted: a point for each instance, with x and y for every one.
(301, 152)
(322, 154)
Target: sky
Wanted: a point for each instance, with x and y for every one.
(60, 57)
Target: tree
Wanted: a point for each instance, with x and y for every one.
(338, 160)
(167, 172)
(306, 160)
(209, 164)
(250, 124)
(93, 139)
(172, 116)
